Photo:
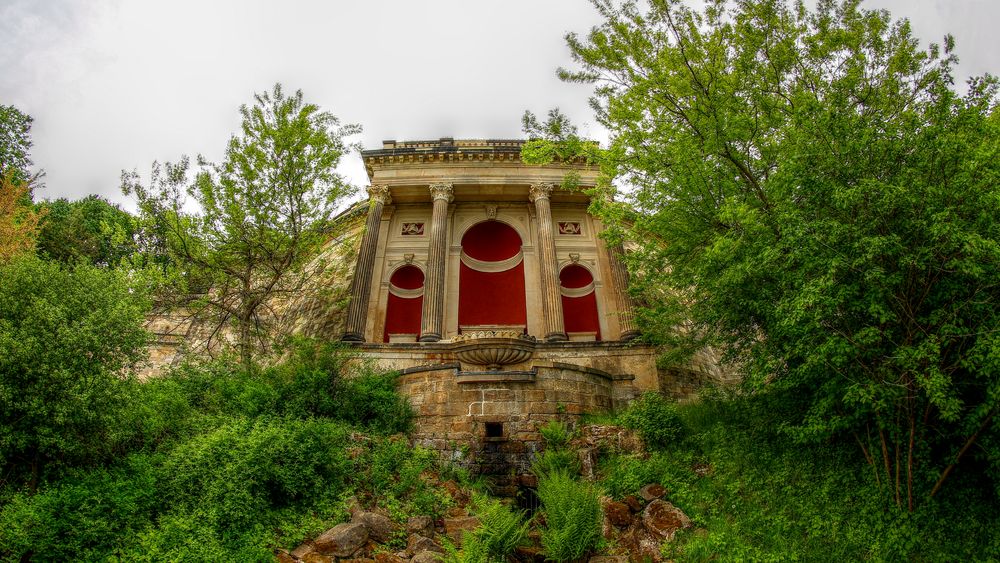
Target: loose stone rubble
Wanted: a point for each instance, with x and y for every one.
(635, 527)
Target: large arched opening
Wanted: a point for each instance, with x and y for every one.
(579, 301)
(402, 311)
(491, 279)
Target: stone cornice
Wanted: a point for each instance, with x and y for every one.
(446, 150)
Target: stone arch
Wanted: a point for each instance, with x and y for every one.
(406, 298)
(470, 223)
(491, 278)
(579, 302)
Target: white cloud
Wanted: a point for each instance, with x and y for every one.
(116, 84)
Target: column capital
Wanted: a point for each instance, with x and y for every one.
(379, 193)
(443, 191)
(540, 190)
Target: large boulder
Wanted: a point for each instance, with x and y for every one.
(301, 551)
(426, 557)
(610, 438)
(652, 492)
(380, 528)
(640, 544)
(617, 513)
(455, 528)
(634, 504)
(417, 543)
(664, 519)
(341, 540)
(423, 525)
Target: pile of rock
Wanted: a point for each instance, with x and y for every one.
(595, 439)
(366, 537)
(640, 525)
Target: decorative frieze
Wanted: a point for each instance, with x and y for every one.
(571, 228)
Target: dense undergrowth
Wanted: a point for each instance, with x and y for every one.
(215, 463)
(754, 494)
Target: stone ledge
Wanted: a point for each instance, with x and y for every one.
(432, 367)
(583, 369)
(496, 376)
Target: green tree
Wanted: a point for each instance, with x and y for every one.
(808, 189)
(89, 229)
(15, 145)
(260, 215)
(69, 339)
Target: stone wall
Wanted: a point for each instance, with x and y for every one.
(488, 421)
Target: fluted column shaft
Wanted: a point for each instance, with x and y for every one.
(623, 301)
(548, 266)
(432, 314)
(361, 285)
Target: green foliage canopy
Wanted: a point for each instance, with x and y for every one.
(89, 229)
(69, 338)
(809, 191)
(15, 144)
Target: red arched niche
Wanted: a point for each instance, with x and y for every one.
(491, 284)
(406, 298)
(579, 304)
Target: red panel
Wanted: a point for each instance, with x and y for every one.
(407, 277)
(491, 241)
(580, 314)
(402, 315)
(574, 276)
(492, 298)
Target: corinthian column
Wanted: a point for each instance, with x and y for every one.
(361, 285)
(623, 301)
(432, 314)
(548, 266)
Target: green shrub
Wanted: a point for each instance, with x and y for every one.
(371, 400)
(82, 517)
(68, 339)
(556, 434)
(473, 551)
(244, 469)
(556, 460)
(393, 474)
(313, 381)
(765, 497)
(655, 418)
(572, 517)
(500, 529)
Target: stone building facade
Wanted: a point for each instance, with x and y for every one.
(489, 287)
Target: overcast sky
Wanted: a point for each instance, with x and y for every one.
(115, 84)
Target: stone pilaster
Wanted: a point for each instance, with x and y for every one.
(548, 267)
(432, 314)
(623, 301)
(357, 310)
